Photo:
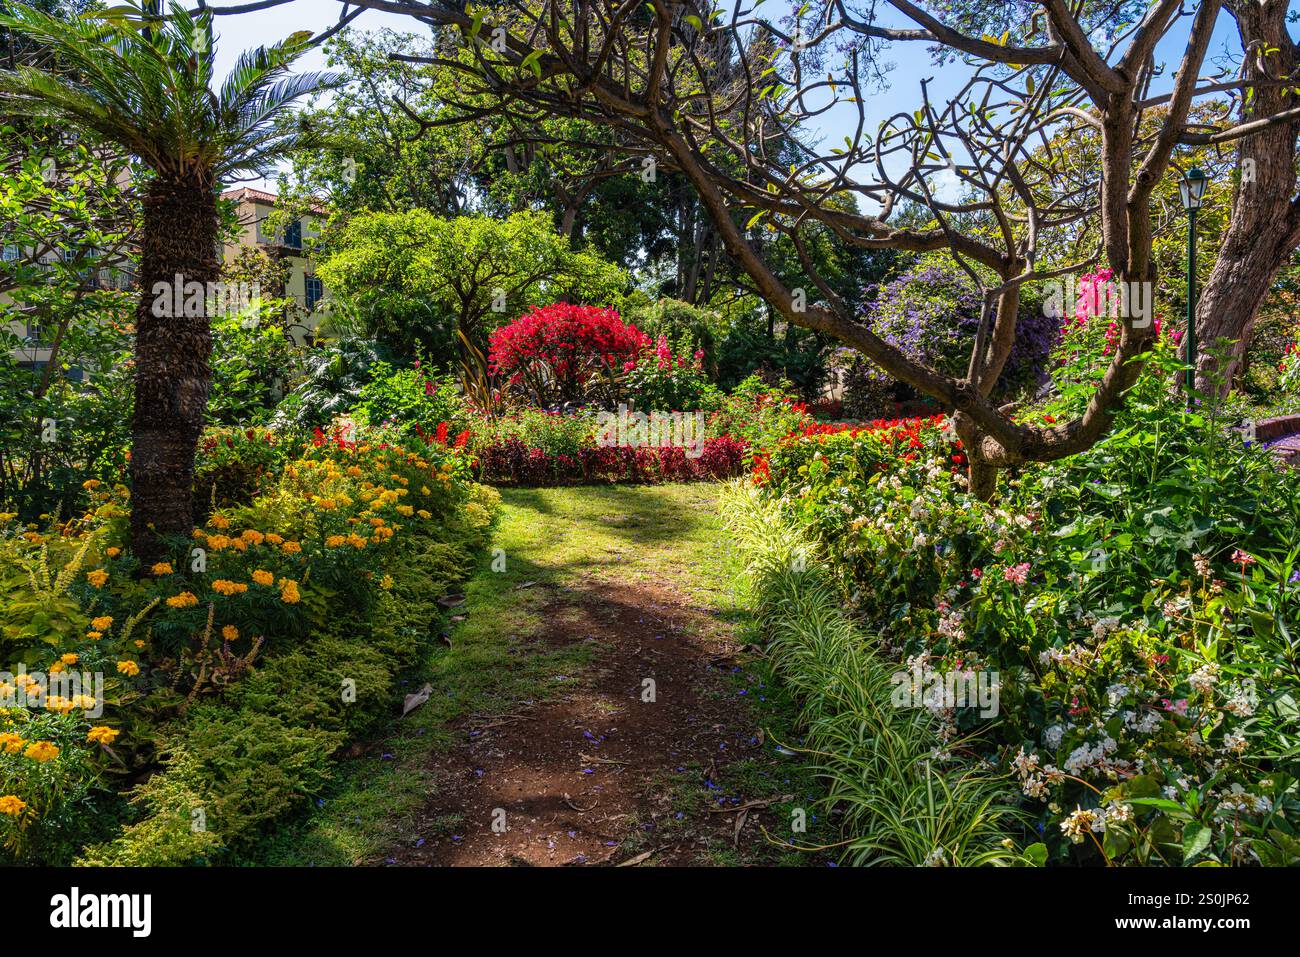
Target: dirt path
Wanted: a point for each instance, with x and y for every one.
(633, 757)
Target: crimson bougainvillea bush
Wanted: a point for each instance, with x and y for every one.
(561, 352)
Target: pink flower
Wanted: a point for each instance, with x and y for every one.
(1017, 574)
(1241, 558)
(1177, 707)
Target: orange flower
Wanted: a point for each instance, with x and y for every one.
(291, 548)
(230, 632)
(263, 578)
(289, 591)
(102, 623)
(163, 568)
(114, 552)
(128, 668)
(41, 751)
(102, 734)
(184, 600)
(97, 577)
(12, 805)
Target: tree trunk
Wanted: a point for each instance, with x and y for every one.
(172, 374)
(1265, 224)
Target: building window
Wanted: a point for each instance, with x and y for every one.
(11, 253)
(315, 290)
(293, 235)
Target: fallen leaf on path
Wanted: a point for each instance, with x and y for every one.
(640, 858)
(581, 810)
(750, 805)
(414, 701)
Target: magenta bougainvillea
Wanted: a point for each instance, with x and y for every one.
(553, 353)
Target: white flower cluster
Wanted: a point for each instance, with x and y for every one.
(1204, 678)
(1035, 779)
(1082, 821)
(1238, 801)
(1075, 655)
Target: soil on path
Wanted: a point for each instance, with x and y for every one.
(586, 776)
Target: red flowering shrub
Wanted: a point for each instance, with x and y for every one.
(514, 462)
(557, 353)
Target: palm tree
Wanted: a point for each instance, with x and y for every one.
(143, 82)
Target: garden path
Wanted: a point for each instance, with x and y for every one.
(541, 743)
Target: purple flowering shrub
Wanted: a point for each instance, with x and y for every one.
(931, 312)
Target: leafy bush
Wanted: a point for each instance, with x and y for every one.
(409, 399)
(333, 377)
(902, 804)
(1139, 628)
(664, 382)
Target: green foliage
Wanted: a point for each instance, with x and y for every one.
(1136, 600)
(409, 399)
(333, 376)
(478, 270)
(901, 803)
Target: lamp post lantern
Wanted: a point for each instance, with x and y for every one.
(1191, 190)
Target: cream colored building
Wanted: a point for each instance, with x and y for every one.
(253, 206)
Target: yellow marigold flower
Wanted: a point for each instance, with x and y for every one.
(114, 552)
(139, 643)
(85, 702)
(12, 805)
(405, 510)
(94, 635)
(291, 548)
(325, 503)
(424, 513)
(263, 578)
(273, 539)
(102, 623)
(128, 668)
(289, 591)
(97, 577)
(58, 704)
(184, 600)
(356, 541)
(239, 545)
(253, 536)
(6, 690)
(12, 743)
(386, 582)
(91, 483)
(69, 659)
(388, 497)
(224, 586)
(218, 542)
(425, 490)
(56, 668)
(102, 734)
(354, 471)
(216, 521)
(41, 751)
(376, 521)
(335, 541)
(163, 568)
(230, 633)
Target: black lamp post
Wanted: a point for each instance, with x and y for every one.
(1192, 191)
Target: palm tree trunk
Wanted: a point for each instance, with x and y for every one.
(172, 374)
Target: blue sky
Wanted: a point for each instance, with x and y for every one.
(911, 60)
